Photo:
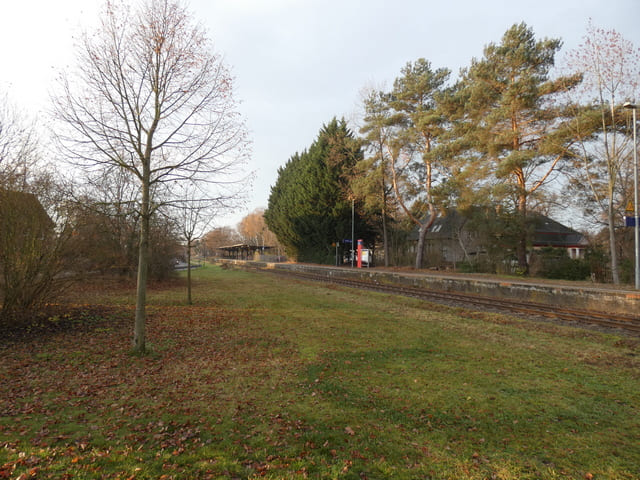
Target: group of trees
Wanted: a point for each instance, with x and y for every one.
(106, 226)
(33, 227)
(252, 230)
(148, 123)
(509, 137)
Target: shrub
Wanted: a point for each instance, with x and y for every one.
(31, 263)
(556, 264)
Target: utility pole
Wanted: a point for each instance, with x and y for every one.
(636, 227)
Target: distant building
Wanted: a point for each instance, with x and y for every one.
(22, 214)
(549, 233)
(26, 234)
(243, 251)
(451, 240)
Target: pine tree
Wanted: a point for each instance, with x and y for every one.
(372, 182)
(515, 134)
(420, 123)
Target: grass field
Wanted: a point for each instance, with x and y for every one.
(265, 377)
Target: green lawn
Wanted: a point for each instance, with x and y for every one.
(265, 377)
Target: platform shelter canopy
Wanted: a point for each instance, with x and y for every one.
(242, 251)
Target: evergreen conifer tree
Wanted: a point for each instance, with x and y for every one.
(515, 132)
(310, 204)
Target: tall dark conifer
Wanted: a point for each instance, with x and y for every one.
(310, 204)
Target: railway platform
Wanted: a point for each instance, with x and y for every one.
(579, 295)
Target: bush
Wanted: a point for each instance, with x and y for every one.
(598, 262)
(483, 265)
(31, 263)
(555, 264)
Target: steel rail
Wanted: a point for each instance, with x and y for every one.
(627, 323)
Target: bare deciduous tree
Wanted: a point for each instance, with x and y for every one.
(610, 65)
(194, 212)
(18, 146)
(219, 237)
(33, 224)
(149, 97)
(254, 230)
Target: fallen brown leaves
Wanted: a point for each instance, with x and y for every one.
(289, 385)
(73, 392)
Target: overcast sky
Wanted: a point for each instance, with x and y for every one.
(299, 63)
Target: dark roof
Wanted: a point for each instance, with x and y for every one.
(446, 226)
(24, 204)
(547, 232)
(244, 246)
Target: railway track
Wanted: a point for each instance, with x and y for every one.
(628, 323)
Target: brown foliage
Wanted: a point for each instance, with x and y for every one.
(254, 230)
(30, 254)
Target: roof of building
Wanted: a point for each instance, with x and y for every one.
(550, 233)
(24, 204)
(446, 225)
(547, 232)
(244, 247)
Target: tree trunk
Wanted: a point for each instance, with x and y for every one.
(521, 246)
(421, 236)
(521, 251)
(424, 228)
(139, 336)
(189, 301)
(383, 185)
(385, 240)
(385, 237)
(615, 274)
(461, 242)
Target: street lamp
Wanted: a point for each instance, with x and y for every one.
(633, 108)
(353, 235)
